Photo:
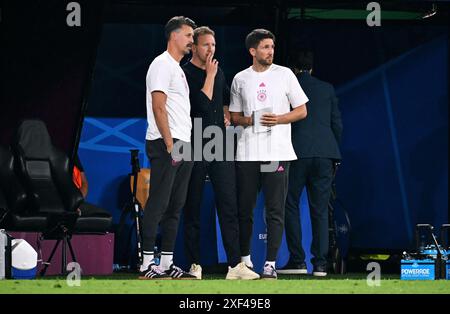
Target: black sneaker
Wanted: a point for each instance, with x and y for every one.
(320, 271)
(176, 272)
(293, 269)
(153, 272)
(269, 272)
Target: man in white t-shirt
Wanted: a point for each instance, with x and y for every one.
(261, 100)
(169, 124)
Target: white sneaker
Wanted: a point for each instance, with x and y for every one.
(241, 271)
(153, 271)
(269, 272)
(196, 270)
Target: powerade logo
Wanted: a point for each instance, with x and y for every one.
(417, 271)
(422, 272)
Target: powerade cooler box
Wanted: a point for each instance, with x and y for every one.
(414, 269)
(430, 262)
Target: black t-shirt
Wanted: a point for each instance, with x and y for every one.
(210, 111)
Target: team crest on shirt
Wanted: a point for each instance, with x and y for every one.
(261, 92)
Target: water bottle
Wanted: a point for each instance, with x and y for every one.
(3, 243)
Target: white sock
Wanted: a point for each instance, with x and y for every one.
(148, 256)
(246, 259)
(270, 263)
(166, 260)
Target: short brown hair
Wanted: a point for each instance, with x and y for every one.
(254, 38)
(200, 31)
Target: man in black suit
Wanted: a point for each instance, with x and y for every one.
(315, 141)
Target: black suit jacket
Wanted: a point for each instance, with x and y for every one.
(319, 134)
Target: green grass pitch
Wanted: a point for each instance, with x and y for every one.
(215, 284)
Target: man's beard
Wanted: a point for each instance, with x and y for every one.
(265, 62)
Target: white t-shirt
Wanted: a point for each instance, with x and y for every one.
(166, 75)
(276, 88)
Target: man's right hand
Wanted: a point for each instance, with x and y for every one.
(169, 145)
(211, 65)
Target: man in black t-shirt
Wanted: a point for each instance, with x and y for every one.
(209, 97)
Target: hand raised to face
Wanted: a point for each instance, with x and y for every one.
(211, 65)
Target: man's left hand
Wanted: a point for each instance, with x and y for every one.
(269, 119)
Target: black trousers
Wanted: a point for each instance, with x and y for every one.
(317, 175)
(223, 179)
(250, 180)
(168, 188)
